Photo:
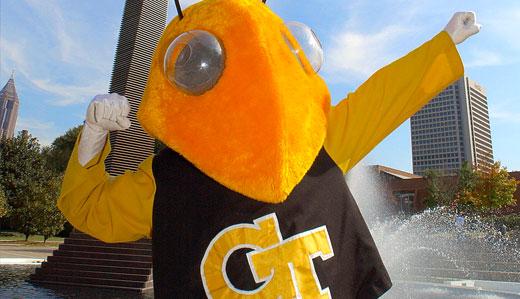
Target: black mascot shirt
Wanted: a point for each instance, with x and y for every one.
(209, 241)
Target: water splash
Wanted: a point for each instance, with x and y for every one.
(429, 246)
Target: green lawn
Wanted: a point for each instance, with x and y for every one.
(12, 236)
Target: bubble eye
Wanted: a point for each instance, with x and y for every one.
(307, 41)
(194, 62)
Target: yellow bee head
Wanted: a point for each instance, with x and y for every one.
(233, 90)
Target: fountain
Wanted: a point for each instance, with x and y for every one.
(428, 256)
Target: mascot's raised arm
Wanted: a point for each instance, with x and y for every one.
(248, 199)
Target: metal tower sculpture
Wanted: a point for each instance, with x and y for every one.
(83, 260)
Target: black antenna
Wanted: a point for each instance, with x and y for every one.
(179, 10)
(263, 1)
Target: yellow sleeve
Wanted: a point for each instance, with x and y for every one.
(117, 209)
(389, 97)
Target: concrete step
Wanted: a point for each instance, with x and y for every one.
(464, 274)
(97, 268)
(58, 286)
(104, 249)
(103, 256)
(461, 255)
(94, 242)
(113, 263)
(89, 281)
(85, 261)
(80, 235)
(465, 264)
(93, 274)
(493, 256)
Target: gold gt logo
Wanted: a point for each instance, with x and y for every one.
(283, 267)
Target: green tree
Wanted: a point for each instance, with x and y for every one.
(39, 213)
(27, 182)
(4, 207)
(493, 189)
(57, 155)
(466, 180)
(21, 162)
(21, 219)
(47, 218)
(440, 191)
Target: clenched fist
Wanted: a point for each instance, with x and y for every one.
(108, 112)
(462, 25)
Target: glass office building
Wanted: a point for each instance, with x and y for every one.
(452, 128)
(9, 104)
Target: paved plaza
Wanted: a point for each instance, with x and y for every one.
(20, 254)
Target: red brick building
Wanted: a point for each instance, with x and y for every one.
(408, 191)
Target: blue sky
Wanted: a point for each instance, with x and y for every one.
(63, 52)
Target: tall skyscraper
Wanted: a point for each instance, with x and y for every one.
(452, 128)
(9, 104)
(141, 28)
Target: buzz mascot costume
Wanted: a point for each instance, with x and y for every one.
(248, 200)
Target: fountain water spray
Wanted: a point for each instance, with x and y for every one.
(429, 246)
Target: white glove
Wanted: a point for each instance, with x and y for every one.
(462, 25)
(106, 112)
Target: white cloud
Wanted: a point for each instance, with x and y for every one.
(45, 131)
(503, 25)
(505, 113)
(497, 42)
(29, 124)
(79, 116)
(74, 46)
(68, 94)
(482, 57)
(11, 55)
(374, 35)
(55, 60)
(355, 55)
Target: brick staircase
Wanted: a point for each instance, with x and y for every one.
(85, 261)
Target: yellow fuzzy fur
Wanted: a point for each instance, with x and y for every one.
(259, 129)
